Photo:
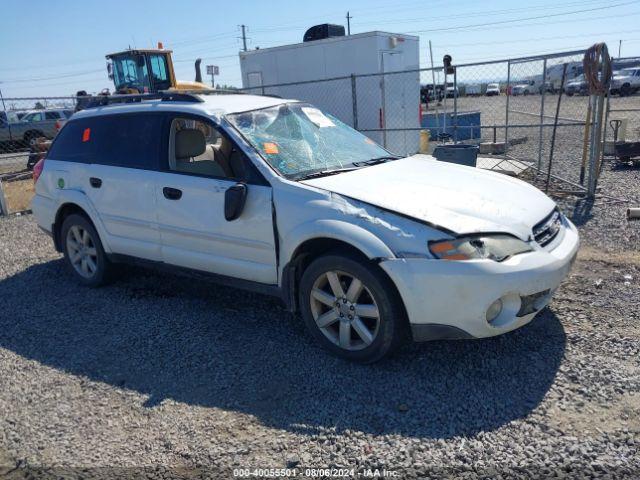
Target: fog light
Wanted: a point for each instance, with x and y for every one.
(494, 310)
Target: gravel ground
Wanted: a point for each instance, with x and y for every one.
(171, 377)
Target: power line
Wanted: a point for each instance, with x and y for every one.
(484, 13)
(536, 39)
(43, 79)
(524, 19)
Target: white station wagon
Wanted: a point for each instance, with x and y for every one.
(276, 196)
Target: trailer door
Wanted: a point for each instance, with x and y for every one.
(254, 79)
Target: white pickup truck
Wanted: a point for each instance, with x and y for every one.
(626, 81)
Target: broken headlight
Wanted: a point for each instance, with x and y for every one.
(494, 247)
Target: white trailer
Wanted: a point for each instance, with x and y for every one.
(554, 73)
(303, 71)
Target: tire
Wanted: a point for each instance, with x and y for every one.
(364, 338)
(31, 135)
(625, 90)
(92, 268)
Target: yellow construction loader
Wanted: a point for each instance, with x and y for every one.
(148, 71)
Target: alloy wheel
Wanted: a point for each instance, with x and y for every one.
(82, 251)
(344, 310)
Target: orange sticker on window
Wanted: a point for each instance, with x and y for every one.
(270, 148)
(368, 140)
(86, 134)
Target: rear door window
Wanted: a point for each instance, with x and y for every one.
(131, 141)
(51, 115)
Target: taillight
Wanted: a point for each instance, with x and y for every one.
(58, 125)
(37, 170)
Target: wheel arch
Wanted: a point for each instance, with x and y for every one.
(76, 203)
(325, 237)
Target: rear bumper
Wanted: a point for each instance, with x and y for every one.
(449, 299)
(44, 211)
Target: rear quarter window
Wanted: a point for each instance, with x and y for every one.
(69, 146)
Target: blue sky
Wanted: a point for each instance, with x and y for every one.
(58, 47)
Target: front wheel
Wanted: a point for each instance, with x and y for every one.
(351, 308)
(83, 251)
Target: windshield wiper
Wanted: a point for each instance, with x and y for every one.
(323, 173)
(376, 160)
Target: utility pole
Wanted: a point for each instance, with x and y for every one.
(349, 17)
(244, 38)
(619, 48)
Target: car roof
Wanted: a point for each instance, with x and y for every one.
(215, 105)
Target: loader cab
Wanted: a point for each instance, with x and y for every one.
(141, 71)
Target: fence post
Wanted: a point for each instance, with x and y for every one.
(544, 89)
(506, 116)
(455, 104)
(6, 115)
(3, 202)
(354, 101)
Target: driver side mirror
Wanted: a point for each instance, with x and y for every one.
(234, 200)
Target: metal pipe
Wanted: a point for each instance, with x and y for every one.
(506, 115)
(354, 101)
(544, 77)
(433, 80)
(633, 213)
(455, 105)
(555, 126)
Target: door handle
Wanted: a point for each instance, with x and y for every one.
(95, 182)
(172, 193)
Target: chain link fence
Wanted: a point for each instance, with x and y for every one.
(511, 108)
(515, 109)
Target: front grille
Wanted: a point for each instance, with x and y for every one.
(545, 231)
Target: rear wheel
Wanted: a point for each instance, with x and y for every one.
(351, 308)
(83, 251)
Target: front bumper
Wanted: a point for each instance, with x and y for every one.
(449, 299)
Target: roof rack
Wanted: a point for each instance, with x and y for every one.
(94, 101)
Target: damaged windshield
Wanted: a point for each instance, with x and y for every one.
(300, 141)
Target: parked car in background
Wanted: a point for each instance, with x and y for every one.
(452, 92)
(42, 123)
(277, 196)
(626, 81)
(522, 89)
(11, 128)
(577, 86)
(493, 89)
(547, 87)
(472, 90)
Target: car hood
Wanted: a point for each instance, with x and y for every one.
(450, 197)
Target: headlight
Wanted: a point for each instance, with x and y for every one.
(493, 247)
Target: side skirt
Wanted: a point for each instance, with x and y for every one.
(249, 285)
